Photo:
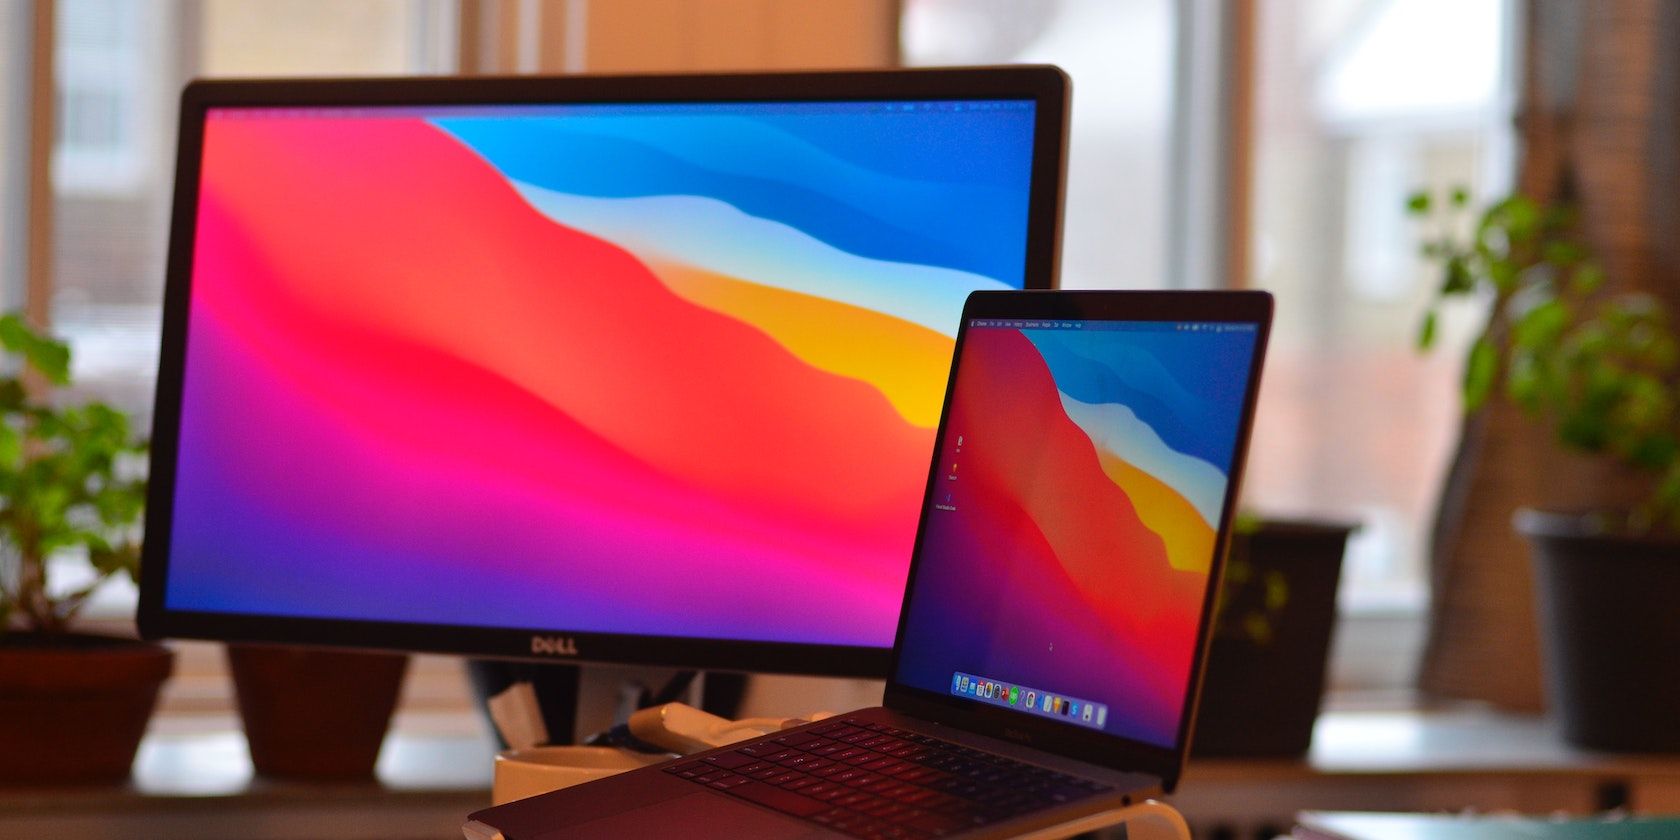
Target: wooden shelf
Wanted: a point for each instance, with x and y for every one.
(193, 779)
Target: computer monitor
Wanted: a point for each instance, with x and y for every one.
(635, 369)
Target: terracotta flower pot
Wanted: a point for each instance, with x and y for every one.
(312, 713)
(73, 707)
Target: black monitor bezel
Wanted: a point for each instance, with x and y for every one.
(1046, 86)
(1119, 753)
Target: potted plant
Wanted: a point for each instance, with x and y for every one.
(1271, 638)
(1599, 368)
(72, 706)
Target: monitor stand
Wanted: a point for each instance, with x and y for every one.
(578, 701)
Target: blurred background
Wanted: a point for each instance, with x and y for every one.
(1268, 144)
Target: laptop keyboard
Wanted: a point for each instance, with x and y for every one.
(875, 781)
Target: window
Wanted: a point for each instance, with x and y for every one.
(1355, 103)
(1120, 54)
(1359, 104)
(15, 24)
(118, 68)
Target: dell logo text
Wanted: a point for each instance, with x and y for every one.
(553, 646)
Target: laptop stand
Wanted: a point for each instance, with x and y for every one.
(1147, 820)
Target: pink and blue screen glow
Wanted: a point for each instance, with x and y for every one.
(655, 370)
(1077, 499)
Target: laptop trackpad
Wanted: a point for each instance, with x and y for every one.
(697, 816)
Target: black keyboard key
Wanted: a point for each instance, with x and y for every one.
(919, 796)
(794, 739)
(779, 800)
(881, 809)
(826, 791)
(853, 798)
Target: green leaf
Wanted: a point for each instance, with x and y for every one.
(109, 560)
(1504, 274)
(1479, 373)
(11, 447)
(47, 355)
(1563, 253)
(1541, 325)
(1654, 451)
(1521, 219)
(1426, 331)
(1417, 204)
(1246, 522)
(1277, 591)
(1645, 402)
(1460, 196)
(12, 394)
(1582, 430)
(1526, 382)
(1458, 279)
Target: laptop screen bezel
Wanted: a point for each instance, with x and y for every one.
(1075, 741)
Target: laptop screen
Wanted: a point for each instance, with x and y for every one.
(1078, 490)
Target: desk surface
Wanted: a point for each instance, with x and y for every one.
(194, 779)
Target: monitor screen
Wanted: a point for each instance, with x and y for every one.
(1082, 480)
(644, 368)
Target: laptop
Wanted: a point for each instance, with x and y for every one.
(1058, 604)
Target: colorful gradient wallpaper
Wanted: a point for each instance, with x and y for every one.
(663, 369)
(1077, 498)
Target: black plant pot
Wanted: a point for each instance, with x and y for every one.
(1260, 700)
(1610, 630)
